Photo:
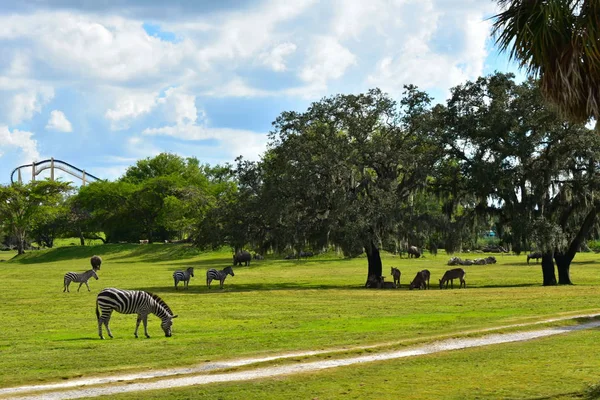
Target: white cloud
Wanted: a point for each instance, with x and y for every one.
(439, 47)
(274, 58)
(328, 59)
(80, 46)
(24, 104)
(238, 88)
(22, 141)
(180, 107)
(234, 141)
(130, 105)
(176, 105)
(59, 122)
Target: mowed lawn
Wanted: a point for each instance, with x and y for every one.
(271, 307)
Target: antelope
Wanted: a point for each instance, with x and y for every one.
(452, 274)
(421, 280)
(396, 274)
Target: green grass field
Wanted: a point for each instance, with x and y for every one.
(277, 306)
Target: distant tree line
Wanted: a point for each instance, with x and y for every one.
(362, 173)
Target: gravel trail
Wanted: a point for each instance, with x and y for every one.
(80, 388)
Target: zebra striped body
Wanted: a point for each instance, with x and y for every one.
(220, 275)
(183, 276)
(81, 278)
(132, 302)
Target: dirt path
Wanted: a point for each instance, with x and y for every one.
(197, 375)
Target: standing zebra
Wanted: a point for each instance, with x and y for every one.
(132, 302)
(183, 276)
(81, 278)
(220, 275)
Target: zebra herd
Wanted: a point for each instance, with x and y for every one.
(137, 302)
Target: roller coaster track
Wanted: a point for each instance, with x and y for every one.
(52, 164)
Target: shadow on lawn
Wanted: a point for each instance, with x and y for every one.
(232, 287)
(111, 252)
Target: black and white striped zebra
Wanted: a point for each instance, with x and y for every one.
(81, 278)
(183, 276)
(132, 302)
(220, 275)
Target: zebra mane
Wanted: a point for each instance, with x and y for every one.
(161, 302)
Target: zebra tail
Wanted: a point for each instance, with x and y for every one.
(97, 311)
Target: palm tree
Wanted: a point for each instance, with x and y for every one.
(559, 42)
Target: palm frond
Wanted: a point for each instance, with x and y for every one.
(559, 42)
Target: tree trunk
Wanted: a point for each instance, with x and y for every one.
(81, 238)
(548, 269)
(563, 260)
(374, 260)
(20, 243)
(563, 264)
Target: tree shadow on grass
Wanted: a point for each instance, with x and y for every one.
(236, 288)
(508, 285)
(68, 253)
(115, 252)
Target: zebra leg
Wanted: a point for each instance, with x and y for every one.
(107, 328)
(175, 282)
(66, 289)
(80, 283)
(104, 320)
(137, 325)
(145, 320)
(100, 328)
(88, 286)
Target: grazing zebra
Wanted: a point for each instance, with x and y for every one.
(81, 278)
(183, 276)
(220, 275)
(132, 302)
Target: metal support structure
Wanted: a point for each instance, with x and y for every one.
(52, 164)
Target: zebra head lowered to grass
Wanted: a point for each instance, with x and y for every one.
(132, 302)
(81, 278)
(220, 275)
(183, 276)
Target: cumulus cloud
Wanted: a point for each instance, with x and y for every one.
(176, 105)
(275, 58)
(22, 105)
(233, 141)
(58, 122)
(21, 141)
(328, 59)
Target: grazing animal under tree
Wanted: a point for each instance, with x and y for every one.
(426, 276)
(413, 251)
(536, 254)
(388, 285)
(220, 275)
(396, 274)
(81, 278)
(451, 275)
(95, 261)
(183, 276)
(242, 257)
(132, 302)
(421, 280)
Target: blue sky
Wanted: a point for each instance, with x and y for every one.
(103, 84)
